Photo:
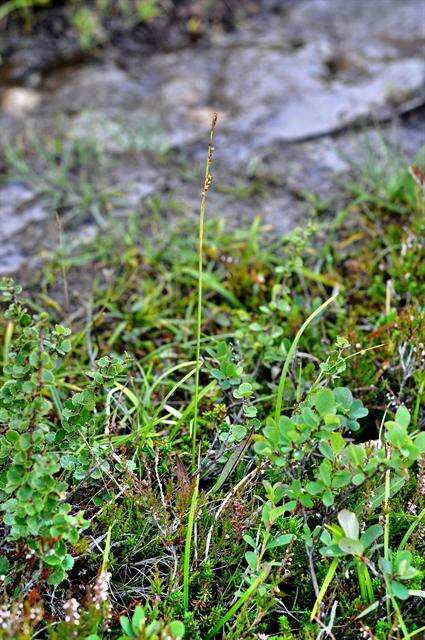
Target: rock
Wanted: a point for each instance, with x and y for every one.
(118, 135)
(328, 83)
(19, 208)
(284, 84)
(318, 67)
(19, 102)
(97, 87)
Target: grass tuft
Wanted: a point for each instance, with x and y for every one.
(166, 473)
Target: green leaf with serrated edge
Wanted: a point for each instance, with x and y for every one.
(341, 479)
(177, 629)
(344, 397)
(358, 478)
(231, 464)
(249, 540)
(337, 442)
(4, 565)
(385, 565)
(56, 577)
(419, 442)
(315, 488)
(357, 410)
(326, 450)
(325, 472)
(355, 454)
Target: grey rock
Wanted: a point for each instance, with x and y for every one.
(284, 85)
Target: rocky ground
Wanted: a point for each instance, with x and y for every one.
(124, 128)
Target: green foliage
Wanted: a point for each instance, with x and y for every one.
(322, 425)
(320, 504)
(31, 493)
(237, 392)
(86, 18)
(139, 627)
(35, 448)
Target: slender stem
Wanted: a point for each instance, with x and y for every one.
(243, 598)
(107, 549)
(415, 633)
(309, 554)
(207, 183)
(387, 516)
(62, 261)
(387, 533)
(292, 350)
(387, 555)
(360, 578)
(396, 608)
(7, 340)
(418, 403)
(188, 544)
(411, 529)
(326, 582)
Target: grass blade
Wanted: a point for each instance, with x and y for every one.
(232, 463)
(107, 549)
(238, 604)
(369, 609)
(188, 544)
(326, 582)
(189, 409)
(292, 350)
(211, 282)
(6, 342)
(411, 529)
(416, 632)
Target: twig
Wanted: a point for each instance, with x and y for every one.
(311, 562)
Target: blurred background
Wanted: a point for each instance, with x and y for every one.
(105, 108)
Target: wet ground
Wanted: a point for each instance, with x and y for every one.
(296, 87)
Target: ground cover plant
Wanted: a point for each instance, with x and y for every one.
(220, 436)
(95, 22)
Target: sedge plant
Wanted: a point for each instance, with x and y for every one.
(202, 207)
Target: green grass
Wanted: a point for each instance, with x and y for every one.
(91, 20)
(85, 19)
(178, 477)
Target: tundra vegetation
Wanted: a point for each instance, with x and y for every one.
(219, 435)
(95, 21)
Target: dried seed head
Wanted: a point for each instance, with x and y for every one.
(208, 181)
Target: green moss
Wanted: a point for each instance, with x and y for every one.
(121, 433)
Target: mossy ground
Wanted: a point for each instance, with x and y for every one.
(133, 291)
